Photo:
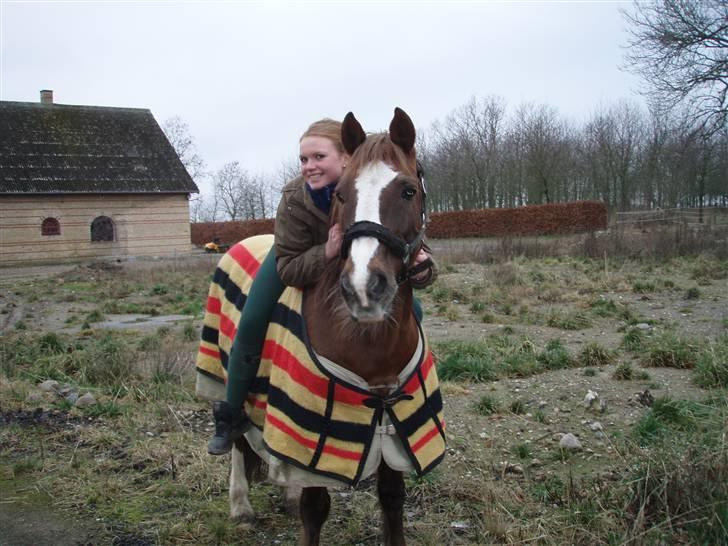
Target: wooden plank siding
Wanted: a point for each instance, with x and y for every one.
(144, 225)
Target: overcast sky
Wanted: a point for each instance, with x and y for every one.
(248, 77)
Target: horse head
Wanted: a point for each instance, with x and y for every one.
(380, 203)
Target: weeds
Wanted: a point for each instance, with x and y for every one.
(465, 361)
(595, 355)
(711, 369)
(486, 405)
(633, 339)
(555, 356)
(669, 351)
(575, 320)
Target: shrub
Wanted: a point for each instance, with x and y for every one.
(711, 369)
(465, 361)
(603, 307)
(692, 293)
(568, 321)
(520, 364)
(685, 481)
(517, 407)
(486, 405)
(643, 287)
(595, 355)
(670, 351)
(624, 371)
(633, 339)
(555, 356)
(522, 451)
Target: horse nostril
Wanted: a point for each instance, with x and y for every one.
(377, 285)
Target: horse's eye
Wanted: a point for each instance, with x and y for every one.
(408, 193)
(339, 196)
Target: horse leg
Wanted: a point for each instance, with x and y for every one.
(240, 508)
(390, 486)
(291, 498)
(315, 505)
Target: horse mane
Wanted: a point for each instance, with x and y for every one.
(379, 147)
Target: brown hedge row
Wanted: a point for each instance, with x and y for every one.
(229, 232)
(572, 217)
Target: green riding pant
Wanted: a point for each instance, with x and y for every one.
(262, 298)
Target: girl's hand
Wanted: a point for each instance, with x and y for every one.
(333, 245)
(421, 257)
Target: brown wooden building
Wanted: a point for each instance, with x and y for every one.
(83, 182)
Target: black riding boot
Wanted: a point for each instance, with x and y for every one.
(229, 426)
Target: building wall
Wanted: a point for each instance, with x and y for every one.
(144, 225)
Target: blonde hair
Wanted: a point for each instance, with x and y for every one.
(326, 128)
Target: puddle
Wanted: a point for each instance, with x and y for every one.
(127, 322)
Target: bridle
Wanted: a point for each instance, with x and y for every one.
(403, 249)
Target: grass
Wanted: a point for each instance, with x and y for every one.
(711, 369)
(486, 405)
(669, 350)
(666, 486)
(633, 339)
(683, 478)
(555, 356)
(574, 320)
(593, 354)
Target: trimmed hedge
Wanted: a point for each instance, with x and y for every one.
(575, 217)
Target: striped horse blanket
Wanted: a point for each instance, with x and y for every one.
(308, 412)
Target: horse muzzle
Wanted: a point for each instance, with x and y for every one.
(370, 301)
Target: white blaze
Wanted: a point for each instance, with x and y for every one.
(369, 185)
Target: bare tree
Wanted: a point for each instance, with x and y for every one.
(178, 134)
(242, 196)
(680, 48)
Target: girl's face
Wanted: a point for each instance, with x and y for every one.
(321, 162)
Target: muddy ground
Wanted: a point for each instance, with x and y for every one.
(470, 302)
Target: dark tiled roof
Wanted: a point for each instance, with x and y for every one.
(59, 148)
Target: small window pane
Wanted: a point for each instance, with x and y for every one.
(50, 226)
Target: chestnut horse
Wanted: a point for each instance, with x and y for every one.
(367, 350)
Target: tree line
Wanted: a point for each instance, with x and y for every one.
(483, 156)
(674, 153)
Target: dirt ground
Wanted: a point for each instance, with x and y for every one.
(483, 446)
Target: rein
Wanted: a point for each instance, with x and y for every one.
(401, 248)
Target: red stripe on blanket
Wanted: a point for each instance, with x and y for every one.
(283, 359)
(214, 305)
(414, 383)
(210, 352)
(228, 327)
(246, 260)
(311, 444)
(425, 439)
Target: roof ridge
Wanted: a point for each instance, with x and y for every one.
(57, 105)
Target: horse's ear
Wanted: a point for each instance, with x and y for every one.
(402, 130)
(352, 134)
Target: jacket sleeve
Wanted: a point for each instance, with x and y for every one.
(431, 277)
(299, 261)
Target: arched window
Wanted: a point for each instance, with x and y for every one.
(50, 226)
(102, 229)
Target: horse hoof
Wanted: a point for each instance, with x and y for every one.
(291, 507)
(244, 519)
